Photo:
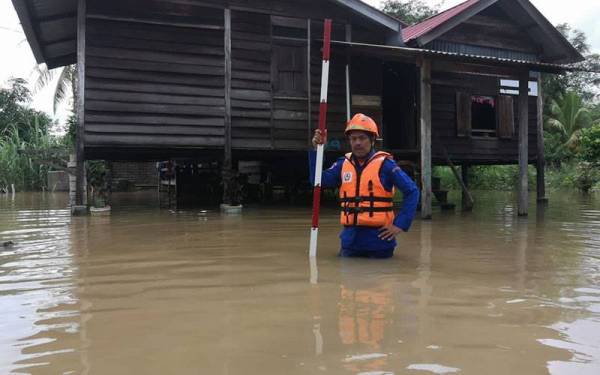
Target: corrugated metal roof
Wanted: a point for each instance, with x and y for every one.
(415, 31)
(461, 57)
(469, 49)
(553, 46)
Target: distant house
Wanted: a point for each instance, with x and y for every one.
(239, 80)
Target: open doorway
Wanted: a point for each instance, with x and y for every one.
(399, 106)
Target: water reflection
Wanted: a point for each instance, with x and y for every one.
(365, 309)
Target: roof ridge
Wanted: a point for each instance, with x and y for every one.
(418, 29)
(440, 13)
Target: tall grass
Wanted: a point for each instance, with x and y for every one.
(24, 162)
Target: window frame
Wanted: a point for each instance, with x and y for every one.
(279, 42)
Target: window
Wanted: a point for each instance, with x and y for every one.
(289, 60)
(289, 70)
(484, 116)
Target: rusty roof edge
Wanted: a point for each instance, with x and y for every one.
(451, 23)
(25, 19)
(475, 58)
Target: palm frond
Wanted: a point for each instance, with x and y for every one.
(573, 140)
(556, 124)
(43, 77)
(63, 86)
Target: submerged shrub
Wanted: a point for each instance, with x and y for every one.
(587, 176)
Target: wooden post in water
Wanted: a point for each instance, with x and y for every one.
(541, 159)
(80, 104)
(227, 173)
(467, 200)
(425, 117)
(523, 143)
(109, 178)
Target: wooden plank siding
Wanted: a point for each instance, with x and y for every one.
(155, 79)
(336, 100)
(473, 150)
(155, 75)
(251, 80)
(494, 30)
(367, 89)
(154, 85)
(490, 33)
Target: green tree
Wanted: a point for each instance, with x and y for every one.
(590, 144)
(585, 81)
(410, 12)
(568, 116)
(27, 149)
(15, 114)
(595, 112)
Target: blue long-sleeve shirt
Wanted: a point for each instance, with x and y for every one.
(365, 240)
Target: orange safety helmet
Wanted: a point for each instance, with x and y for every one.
(363, 123)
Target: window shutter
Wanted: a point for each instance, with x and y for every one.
(506, 118)
(463, 114)
(288, 70)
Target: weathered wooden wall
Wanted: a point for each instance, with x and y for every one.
(491, 33)
(156, 75)
(472, 149)
(155, 79)
(154, 85)
(251, 80)
(336, 101)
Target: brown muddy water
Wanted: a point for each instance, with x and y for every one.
(150, 291)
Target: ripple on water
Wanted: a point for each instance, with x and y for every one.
(433, 367)
(217, 292)
(36, 289)
(580, 337)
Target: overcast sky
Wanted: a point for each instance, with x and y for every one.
(18, 61)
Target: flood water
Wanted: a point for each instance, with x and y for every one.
(150, 291)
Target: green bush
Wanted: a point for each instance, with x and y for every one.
(555, 150)
(587, 176)
(589, 147)
(485, 177)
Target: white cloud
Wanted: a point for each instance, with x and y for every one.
(18, 60)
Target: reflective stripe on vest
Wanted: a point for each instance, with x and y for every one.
(363, 199)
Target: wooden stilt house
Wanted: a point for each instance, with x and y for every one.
(239, 80)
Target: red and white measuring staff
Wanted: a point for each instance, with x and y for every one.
(314, 232)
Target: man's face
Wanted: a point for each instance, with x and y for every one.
(360, 143)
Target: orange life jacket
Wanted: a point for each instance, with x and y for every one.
(364, 200)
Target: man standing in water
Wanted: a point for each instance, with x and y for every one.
(366, 179)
